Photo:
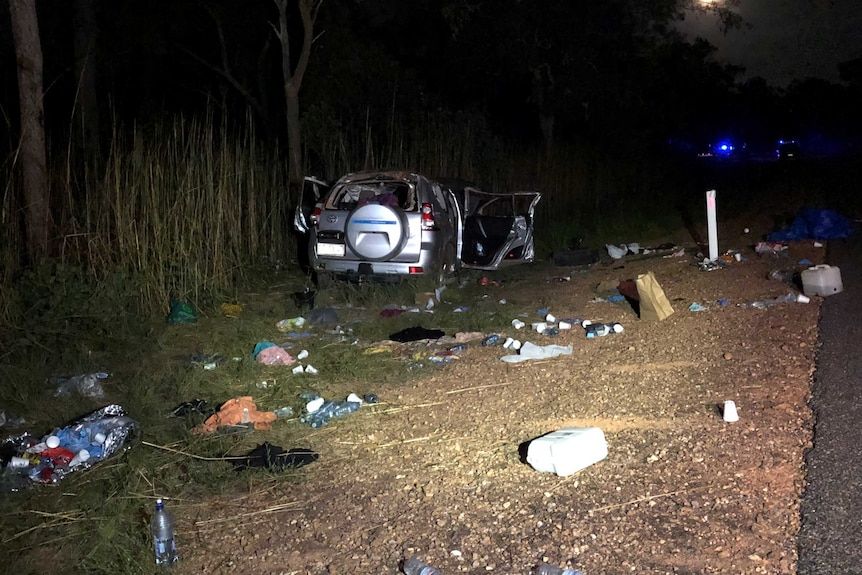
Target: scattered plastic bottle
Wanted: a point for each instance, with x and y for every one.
(414, 566)
(602, 329)
(546, 569)
(87, 385)
(43, 472)
(457, 349)
(491, 340)
(81, 457)
(330, 410)
(162, 527)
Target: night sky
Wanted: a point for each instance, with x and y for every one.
(580, 62)
(784, 40)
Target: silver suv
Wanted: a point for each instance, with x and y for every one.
(387, 225)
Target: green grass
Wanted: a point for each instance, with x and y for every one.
(99, 516)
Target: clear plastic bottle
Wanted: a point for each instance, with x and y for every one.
(491, 340)
(162, 527)
(546, 569)
(414, 566)
(330, 410)
(602, 329)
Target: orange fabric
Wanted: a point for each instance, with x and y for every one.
(233, 412)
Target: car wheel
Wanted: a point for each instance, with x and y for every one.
(375, 232)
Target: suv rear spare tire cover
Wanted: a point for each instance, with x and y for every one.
(375, 232)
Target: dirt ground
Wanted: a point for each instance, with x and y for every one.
(436, 469)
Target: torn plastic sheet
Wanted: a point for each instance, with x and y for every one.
(532, 351)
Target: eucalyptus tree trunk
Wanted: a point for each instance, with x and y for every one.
(31, 150)
(292, 77)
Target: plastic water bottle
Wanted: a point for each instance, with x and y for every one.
(545, 569)
(602, 329)
(162, 526)
(414, 566)
(329, 410)
(491, 340)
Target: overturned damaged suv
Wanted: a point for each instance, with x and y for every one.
(387, 225)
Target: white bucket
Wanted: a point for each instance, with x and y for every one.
(567, 450)
(822, 280)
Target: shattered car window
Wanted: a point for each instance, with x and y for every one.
(393, 194)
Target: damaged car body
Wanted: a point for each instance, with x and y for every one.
(388, 225)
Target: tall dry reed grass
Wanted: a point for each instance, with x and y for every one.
(185, 207)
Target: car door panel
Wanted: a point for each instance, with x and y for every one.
(498, 229)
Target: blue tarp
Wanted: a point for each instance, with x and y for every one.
(814, 224)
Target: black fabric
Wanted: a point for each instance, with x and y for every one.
(274, 458)
(194, 406)
(416, 333)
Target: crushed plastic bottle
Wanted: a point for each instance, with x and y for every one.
(789, 297)
(491, 340)
(330, 410)
(457, 349)
(87, 385)
(547, 569)
(414, 566)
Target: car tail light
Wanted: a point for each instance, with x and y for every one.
(428, 223)
(416, 270)
(315, 216)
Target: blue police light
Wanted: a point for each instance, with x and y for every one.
(724, 148)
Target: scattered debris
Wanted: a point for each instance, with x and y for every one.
(323, 315)
(268, 353)
(773, 248)
(653, 303)
(9, 420)
(532, 351)
(86, 385)
(207, 361)
(814, 224)
(567, 450)
(78, 445)
(287, 325)
(194, 406)
(274, 458)
(231, 309)
(237, 411)
(181, 312)
(416, 333)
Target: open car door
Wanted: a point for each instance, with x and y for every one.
(313, 191)
(498, 228)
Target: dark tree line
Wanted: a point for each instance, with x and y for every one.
(537, 72)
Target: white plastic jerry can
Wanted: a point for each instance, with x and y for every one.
(568, 450)
(822, 280)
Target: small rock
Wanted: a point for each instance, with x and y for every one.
(727, 355)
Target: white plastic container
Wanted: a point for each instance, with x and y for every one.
(822, 280)
(567, 450)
